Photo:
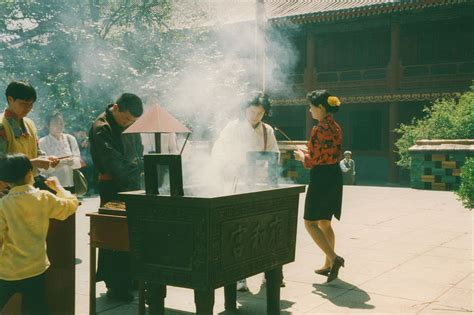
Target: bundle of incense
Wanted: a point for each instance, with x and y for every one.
(286, 136)
(184, 144)
(234, 184)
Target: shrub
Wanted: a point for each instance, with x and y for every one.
(445, 119)
(466, 190)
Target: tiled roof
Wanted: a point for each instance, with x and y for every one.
(332, 10)
(278, 9)
(303, 11)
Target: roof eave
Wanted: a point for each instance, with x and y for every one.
(363, 11)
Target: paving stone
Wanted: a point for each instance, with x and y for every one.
(407, 251)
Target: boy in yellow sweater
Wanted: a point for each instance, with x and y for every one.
(24, 222)
(18, 132)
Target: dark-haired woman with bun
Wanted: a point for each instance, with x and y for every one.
(245, 134)
(324, 195)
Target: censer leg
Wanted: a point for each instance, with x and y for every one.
(156, 294)
(204, 301)
(274, 278)
(230, 294)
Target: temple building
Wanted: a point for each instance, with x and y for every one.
(386, 60)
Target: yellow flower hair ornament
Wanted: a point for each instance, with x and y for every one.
(334, 101)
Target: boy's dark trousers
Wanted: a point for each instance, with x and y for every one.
(113, 266)
(33, 291)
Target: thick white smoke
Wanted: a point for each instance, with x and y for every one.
(215, 75)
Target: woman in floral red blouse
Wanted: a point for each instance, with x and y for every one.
(324, 195)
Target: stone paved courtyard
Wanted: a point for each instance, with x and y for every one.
(407, 252)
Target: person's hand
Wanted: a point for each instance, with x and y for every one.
(53, 161)
(3, 186)
(299, 155)
(41, 162)
(53, 183)
(85, 143)
(3, 189)
(68, 161)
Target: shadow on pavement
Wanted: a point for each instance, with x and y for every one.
(343, 294)
(250, 303)
(171, 311)
(106, 306)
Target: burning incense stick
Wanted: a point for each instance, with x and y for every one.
(234, 184)
(184, 144)
(286, 136)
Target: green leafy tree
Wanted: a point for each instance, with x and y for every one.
(466, 190)
(445, 119)
(80, 55)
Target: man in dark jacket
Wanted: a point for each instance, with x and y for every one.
(118, 160)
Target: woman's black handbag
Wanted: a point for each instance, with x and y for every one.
(40, 183)
(80, 182)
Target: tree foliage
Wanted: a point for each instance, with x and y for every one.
(466, 190)
(80, 55)
(445, 119)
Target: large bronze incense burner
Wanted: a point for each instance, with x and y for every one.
(192, 239)
(204, 243)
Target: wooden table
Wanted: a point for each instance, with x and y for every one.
(108, 232)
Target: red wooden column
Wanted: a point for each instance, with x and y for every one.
(394, 64)
(309, 74)
(393, 107)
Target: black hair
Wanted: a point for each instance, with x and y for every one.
(130, 102)
(52, 116)
(14, 167)
(258, 98)
(320, 97)
(21, 90)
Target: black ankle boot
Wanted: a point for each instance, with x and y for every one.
(338, 263)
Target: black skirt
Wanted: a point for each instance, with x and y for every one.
(324, 195)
